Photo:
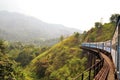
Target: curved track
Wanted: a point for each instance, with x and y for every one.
(107, 70)
(111, 67)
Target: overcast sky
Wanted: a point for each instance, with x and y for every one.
(81, 14)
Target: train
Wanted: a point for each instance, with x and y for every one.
(107, 45)
(111, 46)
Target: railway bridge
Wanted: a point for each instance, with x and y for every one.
(104, 58)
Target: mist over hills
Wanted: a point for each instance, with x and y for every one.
(19, 27)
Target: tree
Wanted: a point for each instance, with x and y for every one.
(24, 57)
(98, 24)
(114, 17)
(61, 37)
(6, 68)
(40, 68)
(76, 34)
(84, 32)
(3, 46)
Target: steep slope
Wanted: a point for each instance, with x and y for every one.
(62, 61)
(98, 34)
(19, 27)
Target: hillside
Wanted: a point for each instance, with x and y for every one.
(19, 27)
(98, 34)
(9, 69)
(60, 62)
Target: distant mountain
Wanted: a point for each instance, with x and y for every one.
(19, 27)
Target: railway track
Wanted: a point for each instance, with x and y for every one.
(103, 73)
(103, 70)
(107, 72)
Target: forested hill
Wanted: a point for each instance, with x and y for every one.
(62, 61)
(98, 34)
(101, 32)
(19, 27)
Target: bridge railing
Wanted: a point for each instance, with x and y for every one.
(91, 72)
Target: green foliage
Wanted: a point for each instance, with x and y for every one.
(24, 57)
(61, 38)
(14, 57)
(98, 24)
(40, 68)
(103, 33)
(8, 68)
(3, 46)
(60, 62)
(23, 54)
(114, 17)
(76, 34)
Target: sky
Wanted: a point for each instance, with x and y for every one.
(80, 14)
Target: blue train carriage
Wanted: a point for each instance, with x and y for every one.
(100, 45)
(108, 46)
(85, 44)
(93, 45)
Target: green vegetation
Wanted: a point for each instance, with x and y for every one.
(101, 32)
(8, 67)
(62, 61)
(113, 18)
(97, 34)
(28, 62)
(14, 57)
